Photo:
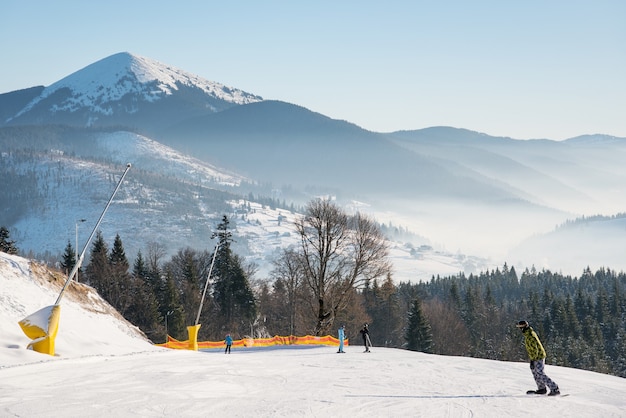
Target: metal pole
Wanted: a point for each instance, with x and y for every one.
(76, 247)
(167, 314)
(206, 284)
(82, 254)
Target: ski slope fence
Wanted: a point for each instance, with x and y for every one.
(255, 342)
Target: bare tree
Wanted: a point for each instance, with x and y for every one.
(287, 273)
(450, 335)
(156, 252)
(338, 254)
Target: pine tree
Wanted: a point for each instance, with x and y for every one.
(232, 292)
(154, 274)
(573, 326)
(171, 308)
(619, 363)
(6, 244)
(386, 317)
(418, 334)
(188, 268)
(118, 258)
(455, 298)
(143, 310)
(119, 280)
(603, 316)
(140, 270)
(69, 258)
(97, 272)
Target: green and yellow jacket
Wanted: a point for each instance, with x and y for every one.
(533, 345)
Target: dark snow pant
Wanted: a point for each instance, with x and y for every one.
(540, 376)
(227, 349)
(366, 342)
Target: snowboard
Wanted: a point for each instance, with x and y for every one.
(532, 392)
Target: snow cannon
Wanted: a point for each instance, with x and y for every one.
(193, 336)
(42, 327)
(192, 330)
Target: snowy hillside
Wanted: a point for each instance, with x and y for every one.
(103, 368)
(147, 207)
(150, 155)
(263, 232)
(168, 197)
(86, 318)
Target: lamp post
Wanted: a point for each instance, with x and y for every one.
(76, 247)
(166, 316)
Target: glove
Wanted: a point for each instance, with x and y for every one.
(532, 364)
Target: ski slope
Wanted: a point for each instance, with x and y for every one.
(103, 367)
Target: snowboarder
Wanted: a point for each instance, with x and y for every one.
(341, 336)
(228, 341)
(365, 333)
(537, 355)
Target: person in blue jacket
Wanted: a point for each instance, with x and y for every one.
(341, 335)
(228, 341)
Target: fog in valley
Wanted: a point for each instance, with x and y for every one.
(564, 220)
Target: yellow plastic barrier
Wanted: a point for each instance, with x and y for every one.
(192, 330)
(42, 327)
(251, 342)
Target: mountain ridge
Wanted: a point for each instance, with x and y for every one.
(459, 188)
(124, 84)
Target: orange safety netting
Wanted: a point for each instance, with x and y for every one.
(256, 342)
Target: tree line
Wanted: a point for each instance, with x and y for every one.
(338, 275)
(164, 296)
(311, 288)
(581, 321)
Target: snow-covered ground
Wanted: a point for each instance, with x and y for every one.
(103, 368)
(266, 236)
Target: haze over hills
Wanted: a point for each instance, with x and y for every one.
(196, 145)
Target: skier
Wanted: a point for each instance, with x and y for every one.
(228, 341)
(341, 336)
(365, 333)
(537, 355)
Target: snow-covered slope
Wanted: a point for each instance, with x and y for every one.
(150, 155)
(262, 232)
(89, 326)
(162, 187)
(103, 368)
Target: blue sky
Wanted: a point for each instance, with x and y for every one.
(525, 69)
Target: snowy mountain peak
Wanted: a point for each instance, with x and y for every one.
(124, 76)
